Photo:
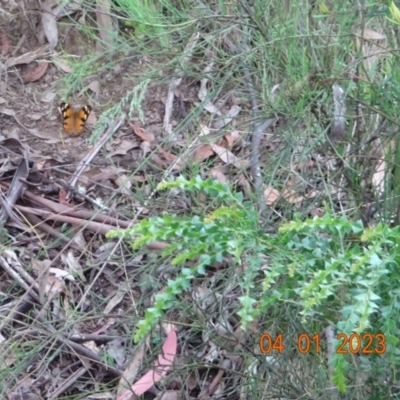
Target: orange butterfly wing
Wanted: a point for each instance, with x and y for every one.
(74, 120)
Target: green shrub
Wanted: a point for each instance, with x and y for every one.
(328, 267)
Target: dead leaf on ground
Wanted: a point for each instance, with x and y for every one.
(123, 148)
(228, 117)
(203, 91)
(117, 351)
(109, 322)
(233, 138)
(49, 136)
(291, 192)
(271, 195)
(51, 280)
(170, 158)
(63, 197)
(92, 119)
(34, 72)
(244, 183)
(124, 184)
(49, 97)
(139, 178)
(204, 130)
(34, 117)
(131, 372)
(104, 22)
(146, 148)
(91, 345)
(218, 174)
(73, 265)
(158, 161)
(229, 158)
(49, 24)
(139, 132)
(202, 153)
(313, 193)
(94, 86)
(161, 367)
(291, 196)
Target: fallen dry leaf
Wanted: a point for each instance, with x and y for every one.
(233, 112)
(34, 117)
(291, 196)
(270, 195)
(139, 178)
(73, 265)
(146, 148)
(233, 138)
(94, 86)
(202, 153)
(49, 136)
(123, 148)
(244, 183)
(218, 174)
(168, 156)
(116, 350)
(139, 132)
(110, 321)
(115, 300)
(49, 24)
(34, 73)
(91, 345)
(203, 92)
(158, 161)
(131, 372)
(161, 367)
(104, 22)
(229, 158)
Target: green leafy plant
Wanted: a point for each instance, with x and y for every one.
(231, 229)
(330, 269)
(342, 273)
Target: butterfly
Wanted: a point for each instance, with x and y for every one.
(74, 120)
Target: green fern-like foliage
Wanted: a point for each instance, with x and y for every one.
(328, 267)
